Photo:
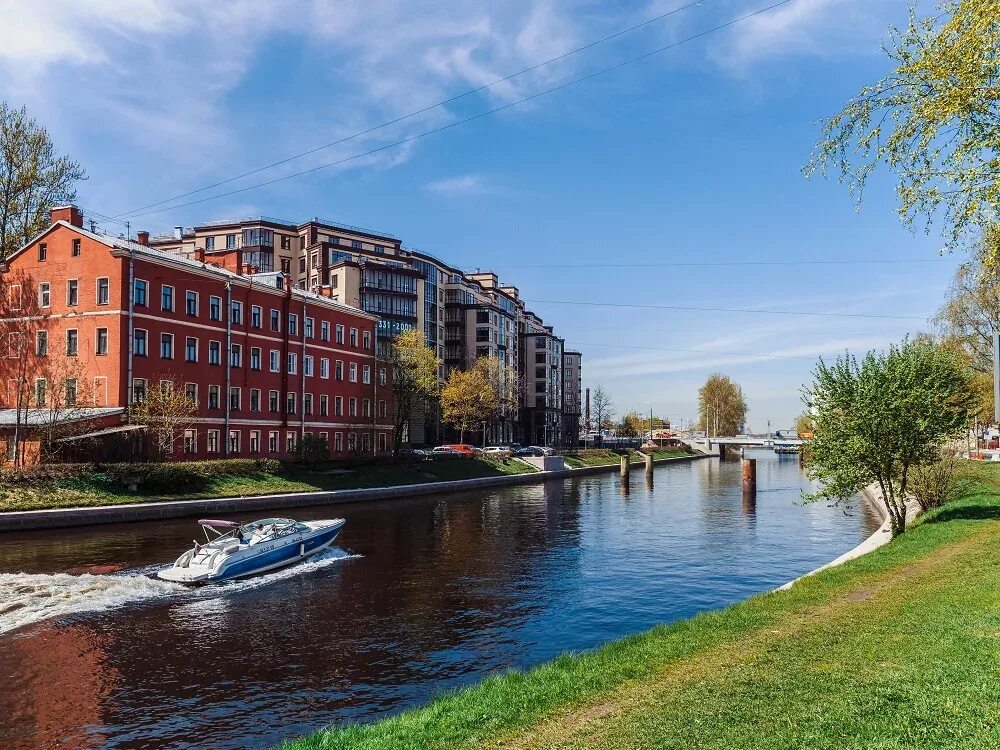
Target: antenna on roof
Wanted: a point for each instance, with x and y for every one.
(93, 226)
(128, 231)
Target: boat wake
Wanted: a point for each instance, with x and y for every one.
(29, 598)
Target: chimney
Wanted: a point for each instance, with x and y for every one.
(178, 232)
(143, 238)
(69, 213)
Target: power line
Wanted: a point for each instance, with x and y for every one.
(422, 110)
(480, 115)
(582, 344)
(723, 309)
(713, 264)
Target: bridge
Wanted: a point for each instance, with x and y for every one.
(778, 444)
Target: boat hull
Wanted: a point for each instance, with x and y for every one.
(254, 562)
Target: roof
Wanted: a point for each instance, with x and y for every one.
(101, 433)
(40, 417)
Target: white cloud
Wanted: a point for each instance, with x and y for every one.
(466, 184)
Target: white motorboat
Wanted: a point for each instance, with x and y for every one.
(234, 550)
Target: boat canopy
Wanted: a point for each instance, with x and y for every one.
(214, 523)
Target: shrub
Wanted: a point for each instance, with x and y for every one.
(236, 467)
(28, 476)
(938, 482)
(167, 477)
(312, 450)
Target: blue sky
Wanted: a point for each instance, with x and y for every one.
(692, 156)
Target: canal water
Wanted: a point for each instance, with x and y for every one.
(420, 596)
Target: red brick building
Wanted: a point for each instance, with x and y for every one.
(89, 320)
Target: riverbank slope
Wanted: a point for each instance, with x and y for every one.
(895, 649)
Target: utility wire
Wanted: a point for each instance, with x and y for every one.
(713, 264)
(724, 309)
(422, 110)
(582, 344)
(432, 131)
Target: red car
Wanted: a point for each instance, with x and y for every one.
(469, 451)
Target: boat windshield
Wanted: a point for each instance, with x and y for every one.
(268, 527)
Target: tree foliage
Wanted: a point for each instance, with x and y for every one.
(804, 424)
(33, 178)
(721, 406)
(165, 411)
(934, 120)
(877, 419)
(468, 399)
(414, 377)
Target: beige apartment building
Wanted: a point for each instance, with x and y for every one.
(463, 316)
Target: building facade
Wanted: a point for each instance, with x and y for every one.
(95, 321)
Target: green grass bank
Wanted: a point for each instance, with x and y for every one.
(92, 487)
(897, 649)
(604, 457)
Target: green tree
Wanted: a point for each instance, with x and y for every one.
(721, 406)
(877, 420)
(804, 424)
(414, 378)
(467, 399)
(932, 120)
(33, 178)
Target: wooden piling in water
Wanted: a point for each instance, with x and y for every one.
(625, 468)
(749, 466)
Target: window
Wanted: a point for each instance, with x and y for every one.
(382, 443)
(308, 327)
(324, 368)
(210, 243)
(292, 363)
(340, 334)
(379, 248)
(272, 442)
(307, 403)
(41, 387)
(75, 251)
(324, 405)
(230, 241)
(235, 355)
(43, 251)
(213, 397)
(275, 320)
(140, 293)
(352, 442)
(324, 330)
(255, 441)
(352, 407)
(255, 358)
(101, 346)
(354, 337)
(191, 303)
(540, 358)
(190, 349)
(72, 292)
(236, 313)
(338, 406)
(368, 340)
(234, 399)
(256, 316)
(191, 391)
(255, 399)
(366, 407)
(290, 442)
(215, 308)
(381, 409)
(307, 365)
(356, 244)
(166, 346)
(352, 372)
(71, 391)
(213, 441)
(338, 370)
(302, 264)
(381, 376)
(42, 343)
(167, 298)
(291, 403)
(286, 266)
(293, 324)
(190, 441)
(214, 352)
(338, 442)
(272, 401)
(72, 342)
(138, 390)
(366, 374)
(44, 295)
(275, 360)
(103, 291)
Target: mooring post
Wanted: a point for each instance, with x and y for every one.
(625, 468)
(649, 463)
(749, 466)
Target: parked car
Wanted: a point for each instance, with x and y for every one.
(464, 449)
(534, 450)
(496, 451)
(413, 454)
(445, 451)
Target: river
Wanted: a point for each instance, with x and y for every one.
(420, 595)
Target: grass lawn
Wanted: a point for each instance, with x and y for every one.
(898, 649)
(599, 457)
(75, 493)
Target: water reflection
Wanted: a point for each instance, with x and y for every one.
(443, 591)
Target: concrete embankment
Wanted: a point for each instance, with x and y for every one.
(66, 517)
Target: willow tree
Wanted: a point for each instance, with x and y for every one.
(721, 406)
(33, 178)
(934, 120)
(414, 377)
(875, 421)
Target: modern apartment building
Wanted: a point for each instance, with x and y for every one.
(462, 315)
(572, 391)
(93, 321)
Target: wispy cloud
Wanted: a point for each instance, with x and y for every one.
(465, 184)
